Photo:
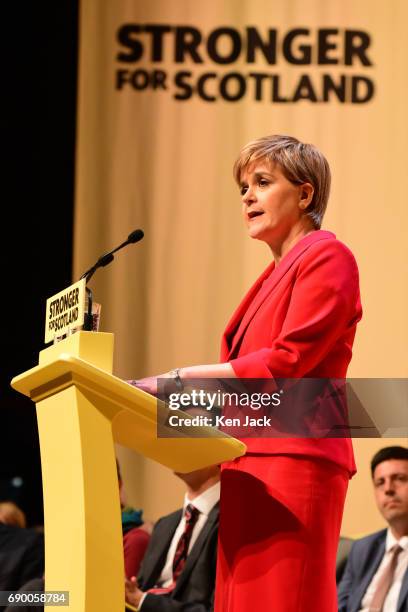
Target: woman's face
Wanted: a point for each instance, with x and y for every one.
(272, 206)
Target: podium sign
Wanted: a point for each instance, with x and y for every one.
(65, 311)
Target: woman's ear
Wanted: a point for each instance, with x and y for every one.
(306, 195)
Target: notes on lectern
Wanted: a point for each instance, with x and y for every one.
(65, 311)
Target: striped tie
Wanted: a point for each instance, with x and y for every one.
(385, 581)
(180, 556)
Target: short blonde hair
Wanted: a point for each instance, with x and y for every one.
(300, 163)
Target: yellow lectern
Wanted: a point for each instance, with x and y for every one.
(82, 409)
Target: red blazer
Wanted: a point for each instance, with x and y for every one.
(299, 320)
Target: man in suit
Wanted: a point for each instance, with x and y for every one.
(178, 569)
(21, 556)
(376, 574)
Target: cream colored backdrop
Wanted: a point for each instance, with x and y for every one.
(145, 159)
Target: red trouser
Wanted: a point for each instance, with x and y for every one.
(280, 521)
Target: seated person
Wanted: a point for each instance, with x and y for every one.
(11, 514)
(376, 574)
(21, 556)
(136, 533)
(36, 584)
(180, 562)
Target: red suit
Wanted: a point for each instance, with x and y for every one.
(281, 505)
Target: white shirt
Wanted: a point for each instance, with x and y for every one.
(204, 503)
(391, 601)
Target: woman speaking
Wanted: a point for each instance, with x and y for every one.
(282, 503)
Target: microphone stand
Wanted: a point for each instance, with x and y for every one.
(103, 261)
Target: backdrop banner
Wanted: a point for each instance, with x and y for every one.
(169, 91)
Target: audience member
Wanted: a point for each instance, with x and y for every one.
(36, 584)
(376, 574)
(136, 533)
(21, 555)
(178, 570)
(11, 514)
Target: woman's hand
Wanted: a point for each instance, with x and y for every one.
(148, 384)
(216, 370)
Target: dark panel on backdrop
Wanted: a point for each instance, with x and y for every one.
(39, 72)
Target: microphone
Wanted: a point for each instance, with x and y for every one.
(107, 258)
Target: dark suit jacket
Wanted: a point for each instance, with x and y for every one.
(363, 561)
(194, 591)
(21, 557)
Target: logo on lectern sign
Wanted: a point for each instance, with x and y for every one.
(65, 311)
